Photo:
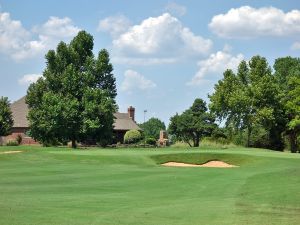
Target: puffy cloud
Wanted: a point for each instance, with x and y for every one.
(248, 22)
(29, 78)
(115, 25)
(295, 46)
(58, 28)
(159, 38)
(135, 81)
(146, 61)
(175, 9)
(12, 34)
(216, 64)
(19, 43)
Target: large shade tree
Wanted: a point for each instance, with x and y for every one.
(287, 74)
(6, 120)
(75, 98)
(193, 124)
(249, 99)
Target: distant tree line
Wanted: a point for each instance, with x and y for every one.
(75, 101)
(258, 107)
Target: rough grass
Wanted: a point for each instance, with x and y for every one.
(93, 186)
(206, 143)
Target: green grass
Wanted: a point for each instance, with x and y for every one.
(128, 186)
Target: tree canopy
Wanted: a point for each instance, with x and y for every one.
(287, 74)
(193, 124)
(259, 102)
(6, 120)
(75, 98)
(152, 127)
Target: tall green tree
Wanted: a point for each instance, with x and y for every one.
(293, 111)
(75, 98)
(6, 120)
(104, 78)
(248, 99)
(152, 127)
(193, 124)
(287, 73)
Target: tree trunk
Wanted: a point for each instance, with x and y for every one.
(293, 145)
(196, 142)
(74, 143)
(249, 136)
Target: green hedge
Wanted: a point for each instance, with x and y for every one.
(132, 136)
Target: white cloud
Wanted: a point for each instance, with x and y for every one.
(114, 25)
(135, 81)
(248, 22)
(146, 61)
(19, 43)
(175, 9)
(12, 34)
(159, 38)
(58, 28)
(29, 78)
(295, 46)
(216, 64)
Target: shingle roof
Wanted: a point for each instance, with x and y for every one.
(20, 110)
(124, 122)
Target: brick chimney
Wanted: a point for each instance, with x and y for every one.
(131, 111)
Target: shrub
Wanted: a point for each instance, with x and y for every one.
(19, 139)
(12, 143)
(180, 144)
(209, 142)
(132, 136)
(151, 141)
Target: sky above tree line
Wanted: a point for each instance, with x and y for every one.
(165, 53)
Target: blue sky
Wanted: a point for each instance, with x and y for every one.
(165, 53)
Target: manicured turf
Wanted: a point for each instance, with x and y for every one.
(61, 186)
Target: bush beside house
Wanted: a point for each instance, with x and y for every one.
(132, 136)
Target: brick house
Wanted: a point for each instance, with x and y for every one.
(123, 122)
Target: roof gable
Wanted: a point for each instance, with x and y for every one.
(124, 122)
(20, 111)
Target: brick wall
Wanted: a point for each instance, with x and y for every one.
(16, 131)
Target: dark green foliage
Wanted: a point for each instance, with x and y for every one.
(132, 136)
(249, 99)
(152, 127)
(193, 124)
(151, 141)
(287, 73)
(105, 79)
(74, 101)
(259, 107)
(12, 143)
(6, 120)
(19, 139)
(219, 133)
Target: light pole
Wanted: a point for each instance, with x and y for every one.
(145, 110)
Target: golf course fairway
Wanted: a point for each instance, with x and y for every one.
(60, 186)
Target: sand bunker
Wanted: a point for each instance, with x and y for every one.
(213, 163)
(10, 152)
